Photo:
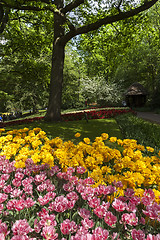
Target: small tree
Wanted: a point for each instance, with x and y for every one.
(98, 90)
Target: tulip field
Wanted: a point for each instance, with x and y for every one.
(86, 190)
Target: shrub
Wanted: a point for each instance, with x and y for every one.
(144, 132)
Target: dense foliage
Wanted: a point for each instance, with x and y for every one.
(145, 132)
(126, 52)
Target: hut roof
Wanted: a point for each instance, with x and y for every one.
(136, 89)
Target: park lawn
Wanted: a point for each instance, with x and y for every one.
(66, 130)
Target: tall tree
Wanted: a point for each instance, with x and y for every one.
(25, 61)
(72, 18)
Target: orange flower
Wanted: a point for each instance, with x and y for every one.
(77, 135)
(86, 140)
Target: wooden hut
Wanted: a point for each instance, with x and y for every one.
(136, 95)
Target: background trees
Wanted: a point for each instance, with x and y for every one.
(71, 18)
(35, 28)
(25, 61)
(126, 52)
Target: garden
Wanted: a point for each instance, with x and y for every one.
(104, 186)
(76, 163)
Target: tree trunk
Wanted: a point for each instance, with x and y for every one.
(55, 99)
(54, 105)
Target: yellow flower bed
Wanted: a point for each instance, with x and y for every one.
(134, 165)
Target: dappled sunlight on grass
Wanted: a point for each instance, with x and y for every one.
(66, 130)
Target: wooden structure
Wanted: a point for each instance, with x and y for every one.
(136, 95)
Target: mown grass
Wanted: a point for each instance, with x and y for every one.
(123, 126)
(67, 130)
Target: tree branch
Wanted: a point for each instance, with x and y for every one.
(1, 12)
(72, 6)
(117, 29)
(25, 7)
(118, 7)
(4, 21)
(44, 1)
(33, 8)
(107, 20)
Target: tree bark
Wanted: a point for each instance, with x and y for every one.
(55, 97)
(3, 18)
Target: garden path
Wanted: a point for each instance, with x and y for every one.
(152, 117)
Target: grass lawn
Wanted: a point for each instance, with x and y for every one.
(66, 130)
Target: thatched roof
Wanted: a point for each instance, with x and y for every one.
(136, 89)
